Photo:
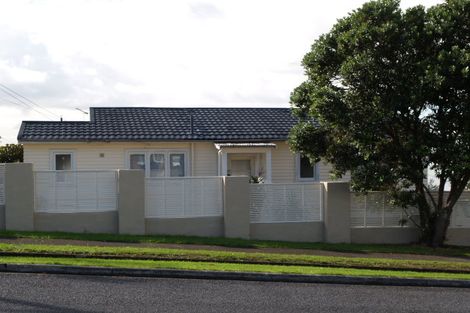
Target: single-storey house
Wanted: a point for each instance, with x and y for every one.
(173, 142)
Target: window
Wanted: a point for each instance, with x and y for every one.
(305, 169)
(62, 161)
(176, 164)
(159, 163)
(137, 161)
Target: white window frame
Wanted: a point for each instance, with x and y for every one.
(128, 159)
(52, 157)
(316, 176)
(167, 153)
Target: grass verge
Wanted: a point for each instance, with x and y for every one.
(231, 267)
(145, 253)
(242, 243)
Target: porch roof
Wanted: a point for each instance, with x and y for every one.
(221, 145)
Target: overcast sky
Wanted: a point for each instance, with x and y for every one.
(64, 55)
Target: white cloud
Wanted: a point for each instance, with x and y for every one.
(205, 10)
(17, 74)
(68, 54)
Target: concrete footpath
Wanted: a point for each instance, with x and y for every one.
(242, 276)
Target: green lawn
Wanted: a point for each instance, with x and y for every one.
(230, 267)
(255, 261)
(143, 253)
(241, 243)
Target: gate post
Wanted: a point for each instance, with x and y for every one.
(237, 207)
(337, 208)
(19, 196)
(131, 202)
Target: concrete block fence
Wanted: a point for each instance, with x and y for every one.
(129, 217)
(125, 209)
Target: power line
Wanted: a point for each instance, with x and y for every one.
(20, 102)
(27, 99)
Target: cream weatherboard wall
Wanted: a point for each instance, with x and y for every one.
(91, 156)
(202, 157)
(283, 164)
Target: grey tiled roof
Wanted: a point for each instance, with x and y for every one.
(172, 124)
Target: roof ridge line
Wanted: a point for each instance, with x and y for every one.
(189, 107)
(58, 122)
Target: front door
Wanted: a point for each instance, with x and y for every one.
(241, 167)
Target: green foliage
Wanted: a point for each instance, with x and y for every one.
(390, 91)
(11, 153)
(256, 180)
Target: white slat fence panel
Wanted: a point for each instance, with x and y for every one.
(375, 210)
(278, 203)
(358, 210)
(183, 197)
(2, 184)
(75, 191)
(461, 213)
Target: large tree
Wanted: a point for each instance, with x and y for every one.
(389, 93)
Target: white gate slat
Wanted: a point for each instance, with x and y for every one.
(183, 197)
(278, 203)
(75, 191)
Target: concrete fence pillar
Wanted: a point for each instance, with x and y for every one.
(19, 196)
(2, 217)
(131, 202)
(337, 216)
(237, 207)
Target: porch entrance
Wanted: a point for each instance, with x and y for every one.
(245, 159)
(240, 167)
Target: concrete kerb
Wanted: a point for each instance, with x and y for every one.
(243, 276)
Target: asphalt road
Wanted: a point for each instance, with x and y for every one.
(80, 294)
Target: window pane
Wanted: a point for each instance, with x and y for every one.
(63, 162)
(306, 169)
(177, 165)
(157, 165)
(137, 162)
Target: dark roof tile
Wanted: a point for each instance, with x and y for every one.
(153, 124)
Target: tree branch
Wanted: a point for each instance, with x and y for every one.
(408, 215)
(440, 195)
(428, 192)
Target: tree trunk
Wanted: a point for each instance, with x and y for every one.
(440, 226)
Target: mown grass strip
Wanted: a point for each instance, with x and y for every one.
(137, 253)
(212, 266)
(242, 243)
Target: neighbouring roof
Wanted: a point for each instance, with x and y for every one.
(166, 124)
